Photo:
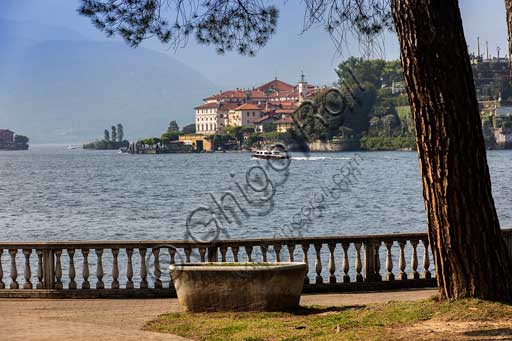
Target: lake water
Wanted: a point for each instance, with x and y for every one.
(51, 193)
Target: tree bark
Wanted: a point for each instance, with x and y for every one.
(508, 7)
(469, 251)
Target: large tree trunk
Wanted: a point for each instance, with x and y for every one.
(508, 7)
(469, 251)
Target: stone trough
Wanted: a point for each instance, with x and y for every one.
(238, 286)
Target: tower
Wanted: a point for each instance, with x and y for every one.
(478, 46)
(487, 49)
(303, 86)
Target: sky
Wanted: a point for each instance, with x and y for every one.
(288, 52)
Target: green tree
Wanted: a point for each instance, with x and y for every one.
(362, 70)
(189, 129)
(168, 137)
(120, 133)
(106, 135)
(173, 127)
(236, 132)
(114, 134)
(21, 139)
(392, 72)
(269, 127)
(359, 107)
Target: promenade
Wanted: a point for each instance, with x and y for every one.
(110, 319)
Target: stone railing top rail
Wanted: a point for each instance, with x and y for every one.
(239, 242)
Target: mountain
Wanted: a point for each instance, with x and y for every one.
(70, 89)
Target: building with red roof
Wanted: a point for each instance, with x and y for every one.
(243, 107)
(244, 115)
(284, 124)
(6, 136)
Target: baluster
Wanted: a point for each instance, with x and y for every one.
(291, 250)
(414, 260)
(99, 269)
(188, 252)
(85, 270)
(331, 267)
(143, 270)
(156, 254)
(58, 270)
(39, 284)
(426, 259)
(358, 265)
(223, 251)
(129, 269)
(389, 262)
(172, 254)
(346, 264)
(264, 250)
(234, 250)
(213, 254)
(248, 251)
(71, 272)
(115, 269)
(318, 264)
(378, 277)
(2, 284)
(305, 249)
(202, 253)
(401, 261)
(28, 271)
(277, 249)
(14, 271)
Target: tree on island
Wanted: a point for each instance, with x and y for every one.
(470, 255)
(168, 137)
(20, 139)
(113, 135)
(173, 127)
(120, 132)
(189, 129)
(106, 135)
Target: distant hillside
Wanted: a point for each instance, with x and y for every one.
(71, 90)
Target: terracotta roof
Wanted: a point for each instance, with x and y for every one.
(277, 85)
(285, 120)
(287, 104)
(263, 119)
(247, 106)
(278, 94)
(285, 111)
(227, 106)
(228, 94)
(209, 105)
(257, 94)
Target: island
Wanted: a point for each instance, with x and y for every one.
(112, 140)
(9, 140)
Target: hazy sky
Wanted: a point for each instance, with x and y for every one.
(285, 56)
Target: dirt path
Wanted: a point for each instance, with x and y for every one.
(39, 319)
(367, 297)
(82, 319)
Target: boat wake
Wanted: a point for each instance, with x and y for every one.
(317, 158)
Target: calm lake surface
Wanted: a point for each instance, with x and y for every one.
(51, 193)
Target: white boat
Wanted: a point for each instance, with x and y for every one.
(270, 154)
(70, 147)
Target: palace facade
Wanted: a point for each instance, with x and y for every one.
(272, 101)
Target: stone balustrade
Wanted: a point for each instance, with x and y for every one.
(140, 268)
